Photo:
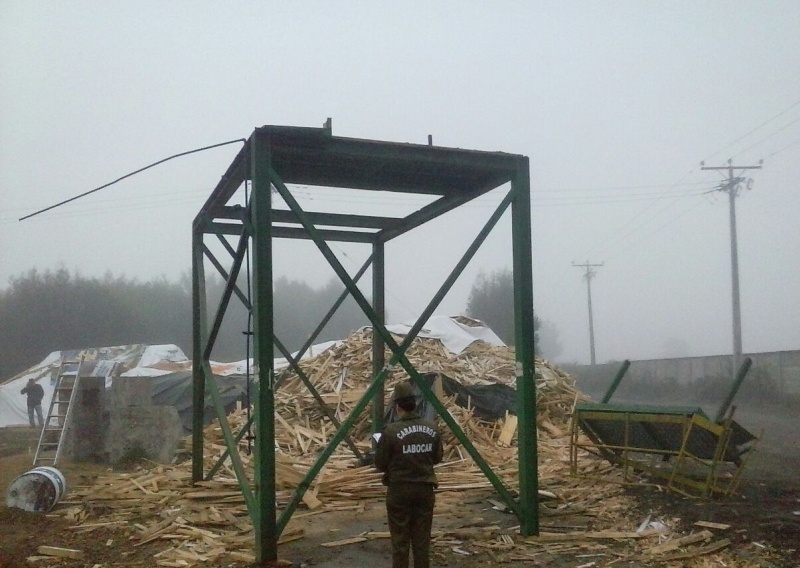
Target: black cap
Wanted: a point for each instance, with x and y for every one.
(403, 390)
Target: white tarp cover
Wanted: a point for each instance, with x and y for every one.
(140, 361)
(157, 360)
(453, 334)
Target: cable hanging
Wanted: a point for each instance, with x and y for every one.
(242, 140)
(248, 333)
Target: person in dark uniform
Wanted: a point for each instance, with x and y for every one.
(407, 450)
(35, 394)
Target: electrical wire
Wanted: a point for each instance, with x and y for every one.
(242, 140)
(796, 120)
(793, 105)
(616, 239)
(619, 239)
(658, 229)
(784, 148)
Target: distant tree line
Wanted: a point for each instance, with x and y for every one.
(42, 312)
(49, 311)
(491, 300)
(55, 310)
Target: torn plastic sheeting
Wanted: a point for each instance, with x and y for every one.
(488, 402)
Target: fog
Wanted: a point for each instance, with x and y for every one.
(616, 104)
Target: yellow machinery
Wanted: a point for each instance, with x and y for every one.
(678, 445)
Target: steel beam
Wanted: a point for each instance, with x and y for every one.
(524, 349)
(378, 347)
(264, 515)
(199, 332)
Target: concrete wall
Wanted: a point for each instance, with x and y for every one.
(112, 425)
(89, 422)
(782, 366)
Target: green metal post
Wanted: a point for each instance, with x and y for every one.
(264, 519)
(616, 381)
(198, 335)
(524, 349)
(378, 346)
(734, 389)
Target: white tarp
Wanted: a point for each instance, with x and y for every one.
(14, 405)
(158, 360)
(453, 334)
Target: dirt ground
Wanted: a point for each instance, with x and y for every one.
(764, 518)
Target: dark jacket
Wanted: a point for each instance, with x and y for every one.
(35, 394)
(408, 449)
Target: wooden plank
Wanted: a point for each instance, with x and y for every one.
(679, 542)
(591, 535)
(710, 525)
(214, 522)
(344, 541)
(310, 499)
(703, 550)
(508, 431)
(60, 552)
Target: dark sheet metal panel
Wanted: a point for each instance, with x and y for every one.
(313, 156)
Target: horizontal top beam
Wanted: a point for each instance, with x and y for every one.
(313, 156)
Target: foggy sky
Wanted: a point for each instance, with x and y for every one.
(615, 104)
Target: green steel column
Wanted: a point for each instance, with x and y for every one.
(264, 518)
(198, 339)
(737, 382)
(524, 337)
(616, 381)
(378, 358)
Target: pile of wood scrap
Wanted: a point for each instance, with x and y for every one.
(209, 520)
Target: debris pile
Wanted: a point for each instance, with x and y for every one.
(209, 520)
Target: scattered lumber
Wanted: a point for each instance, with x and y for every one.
(679, 542)
(203, 522)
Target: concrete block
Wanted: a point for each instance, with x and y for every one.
(131, 391)
(151, 432)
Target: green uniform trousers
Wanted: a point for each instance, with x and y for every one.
(409, 508)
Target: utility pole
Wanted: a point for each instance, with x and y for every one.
(731, 186)
(588, 277)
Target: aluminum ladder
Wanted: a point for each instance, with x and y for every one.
(59, 415)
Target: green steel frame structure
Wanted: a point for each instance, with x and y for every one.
(272, 159)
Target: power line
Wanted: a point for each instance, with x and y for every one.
(618, 239)
(767, 137)
(242, 140)
(793, 105)
(658, 229)
(611, 188)
(784, 148)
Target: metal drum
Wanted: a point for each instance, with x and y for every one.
(37, 491)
